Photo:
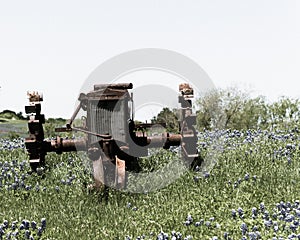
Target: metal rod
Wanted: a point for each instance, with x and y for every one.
(70, 121)
(91, 133)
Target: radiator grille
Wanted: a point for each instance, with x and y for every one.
(107, 117)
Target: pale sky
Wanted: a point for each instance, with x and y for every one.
(53, 46)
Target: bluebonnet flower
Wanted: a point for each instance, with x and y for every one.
(179, 235)
(134, 208)
(5, 224)
(21, 227)
(40, 231)
(293, 227)
(268, 223)
(1, 232)
(206, 175)
(43, 222)
(22, 184)
(252, 236)
(26, 224)
(33, 225)
(15, 234)
(68, 182)
(289, 218)
(297, 211)
(196, 178)
(197, 224)
(14, 186)
(189, 218)
(246, 176)
(254, 211)
(233, 213)
(187, 223)
(13, 225)
(244, 228)
(262, 207)
(266, 215)
(291, 236)
(27, 234)
(241, 212)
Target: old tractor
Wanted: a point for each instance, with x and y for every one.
(111, 139)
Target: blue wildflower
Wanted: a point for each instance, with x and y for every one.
(43, 221)
(233, 213)
(244, 228)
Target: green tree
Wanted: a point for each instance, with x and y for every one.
(230, 108)
(51, 124)
(283, 113)
(169, 118)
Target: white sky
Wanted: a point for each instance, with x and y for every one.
(53, 46)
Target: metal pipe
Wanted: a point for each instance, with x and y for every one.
(114, 86)
(165, 141)
(70, 121)
(60, 145)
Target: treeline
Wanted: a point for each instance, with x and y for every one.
(11, 115)
(234, 109)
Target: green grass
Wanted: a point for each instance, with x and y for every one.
(8, 126)
(74, 212)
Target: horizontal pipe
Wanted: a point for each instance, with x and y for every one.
(164, 141)
(60, 145)
(114, 86)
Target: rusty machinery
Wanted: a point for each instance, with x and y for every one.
(113, 141)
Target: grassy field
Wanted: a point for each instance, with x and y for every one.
(9, 127)
(252, 192)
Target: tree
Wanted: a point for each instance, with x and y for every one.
(169, 118)
(284, 112)
(230, 108)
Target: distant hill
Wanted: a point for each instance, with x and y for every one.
(8, 115)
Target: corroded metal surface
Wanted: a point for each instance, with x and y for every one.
(112, 137)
